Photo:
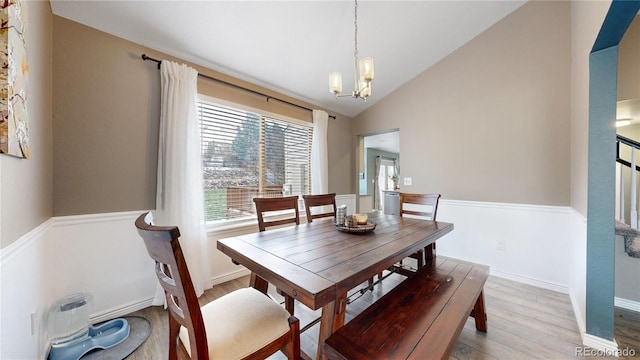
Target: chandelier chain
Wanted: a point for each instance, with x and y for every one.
(355, 24)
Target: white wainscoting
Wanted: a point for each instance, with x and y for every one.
(349, 200)
(99, 254)
(577, 262)
(102, 254)
(25, 283)
(536, 240)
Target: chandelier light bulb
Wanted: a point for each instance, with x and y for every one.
(366, 68)
(335, 83)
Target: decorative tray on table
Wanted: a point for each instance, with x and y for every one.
(350, 226)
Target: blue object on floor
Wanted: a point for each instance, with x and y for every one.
(104, 336)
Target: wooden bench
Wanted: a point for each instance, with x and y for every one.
(421, 318)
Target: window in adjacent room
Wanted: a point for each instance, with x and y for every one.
(245, 155)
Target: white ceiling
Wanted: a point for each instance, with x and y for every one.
(292, 46)
(389, 142)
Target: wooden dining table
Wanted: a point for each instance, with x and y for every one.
(316, 264)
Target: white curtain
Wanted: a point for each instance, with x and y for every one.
(396, 168)
(179, 198)
(319, 157)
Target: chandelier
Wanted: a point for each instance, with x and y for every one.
(362, 72)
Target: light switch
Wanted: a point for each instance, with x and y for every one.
(407, 181)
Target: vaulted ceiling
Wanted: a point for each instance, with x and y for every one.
(292, 46)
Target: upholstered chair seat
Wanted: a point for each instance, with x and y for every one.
(245, 320)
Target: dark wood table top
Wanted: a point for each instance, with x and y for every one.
(315, 263)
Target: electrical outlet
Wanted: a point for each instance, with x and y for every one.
(407, 181)
(501, 244)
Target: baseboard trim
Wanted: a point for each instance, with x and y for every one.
(121, 311)
(230, 276)
(564, 289)
(607, 347)
(627, 304)
(576, 312)
(127, 309)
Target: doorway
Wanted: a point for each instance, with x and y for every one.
(600, 266)
(387, 178)
(371, 148)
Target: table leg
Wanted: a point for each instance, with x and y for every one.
(428, 252)
(332, 319)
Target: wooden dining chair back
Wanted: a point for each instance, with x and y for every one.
(312, 201)
(427, 203)
(422, 206)
(265, 205)
(244, 324)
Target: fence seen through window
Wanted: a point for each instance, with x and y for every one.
(245, 155)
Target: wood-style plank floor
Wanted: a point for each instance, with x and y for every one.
(525, 322)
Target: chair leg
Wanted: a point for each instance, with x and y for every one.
(174, 340)
(292, 350)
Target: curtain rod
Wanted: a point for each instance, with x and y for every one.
(145, 58)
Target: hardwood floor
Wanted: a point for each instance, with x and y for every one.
(525, 322)
(627, 330)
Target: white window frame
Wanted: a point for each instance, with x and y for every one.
(222, 225)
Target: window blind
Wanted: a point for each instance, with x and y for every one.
(245, 155)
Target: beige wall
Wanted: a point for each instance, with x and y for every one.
(26, 187)
(106, 111)
(490, 122)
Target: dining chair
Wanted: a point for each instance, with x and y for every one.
(424, 206)
(427, 208)
(311, 201)
(265, 205)
(244, 324)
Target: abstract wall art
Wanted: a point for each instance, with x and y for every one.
(14, 123)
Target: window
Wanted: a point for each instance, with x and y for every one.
(245, 155)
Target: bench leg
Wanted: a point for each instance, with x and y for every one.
(479, 314)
